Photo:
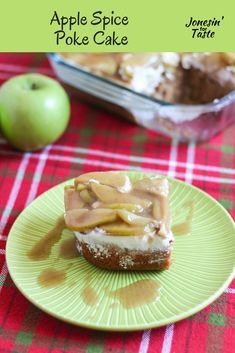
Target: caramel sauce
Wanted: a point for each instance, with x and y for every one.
(89, 295)
(68, 249)
(185, 227)
(182, 228)
(136, 294)
(42, 249)
(50, 277)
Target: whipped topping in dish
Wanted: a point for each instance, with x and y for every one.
(145, 79)
(146, 71)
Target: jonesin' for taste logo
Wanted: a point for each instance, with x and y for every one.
(203, 28)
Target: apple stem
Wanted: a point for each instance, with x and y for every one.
(34, 86)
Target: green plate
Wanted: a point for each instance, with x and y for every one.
(203, 266)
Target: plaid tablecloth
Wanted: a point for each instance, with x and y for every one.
(96, 140)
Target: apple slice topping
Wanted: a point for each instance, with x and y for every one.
(81, 187)
(153, 185)
(120, 206)
(87, 196)
(120, 181)
(133, 219)
(72, 198)
(157, 212)
(107, 194)
(83, 219)
(102, 200)
(121, 228)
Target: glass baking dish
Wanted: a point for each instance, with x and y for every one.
(185, 122)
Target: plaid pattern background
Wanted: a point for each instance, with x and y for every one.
(96, 140)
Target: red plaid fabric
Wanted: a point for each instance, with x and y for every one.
(96, 140)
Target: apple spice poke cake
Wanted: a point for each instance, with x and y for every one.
(120, 224)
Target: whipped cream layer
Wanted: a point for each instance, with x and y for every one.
(146, 71)
(98, 237)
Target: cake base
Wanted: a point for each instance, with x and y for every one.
(112, 257)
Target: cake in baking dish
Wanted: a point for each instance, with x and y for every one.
(187, 78)
(120, 224)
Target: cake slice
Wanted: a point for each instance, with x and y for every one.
(120, 224)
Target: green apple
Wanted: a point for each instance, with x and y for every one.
(34, 111)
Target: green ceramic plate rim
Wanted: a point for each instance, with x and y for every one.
(120, 328)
